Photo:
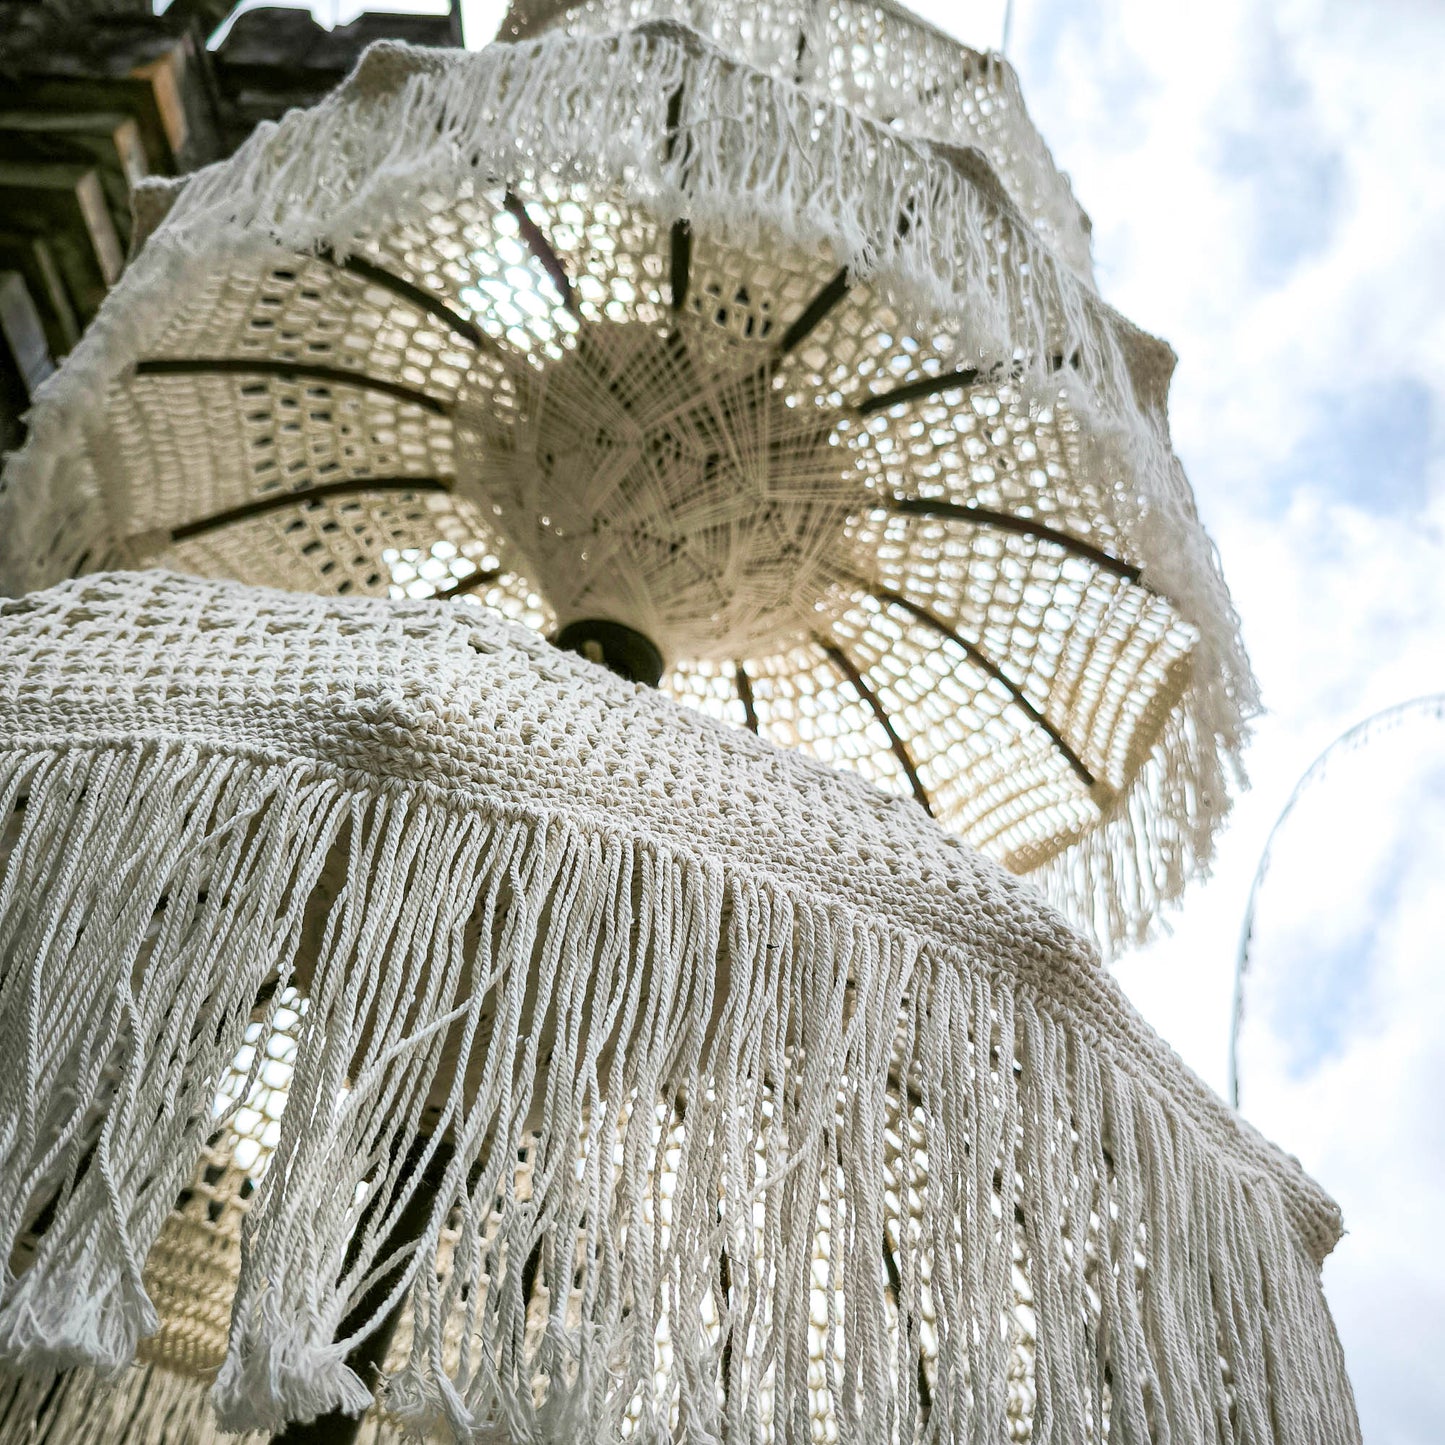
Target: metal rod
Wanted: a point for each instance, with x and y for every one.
(322, 492)
(287, 371)
(923, 386)
(419, 296)
(1022, 526)
(988, 665)
(845, 665)
(542, 249)
(1361, 733)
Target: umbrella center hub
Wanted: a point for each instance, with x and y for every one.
(663, 479)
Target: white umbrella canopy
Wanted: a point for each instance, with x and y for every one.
(797, 392)
(755, 1105)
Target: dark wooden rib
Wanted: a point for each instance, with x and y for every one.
(814, 312)
(844, 664)
(911, 390)
(679, 263)
(419, 296)
(368, 1354)
(541, 248)
(680, 250)
(961, 379)
(745, 692)
(323, 492)
(988, 665)
(287, 371)
(1023, 526)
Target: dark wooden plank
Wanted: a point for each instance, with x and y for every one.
(22, 332)
(66, 205)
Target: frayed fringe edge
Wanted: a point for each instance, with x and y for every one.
(478, 977)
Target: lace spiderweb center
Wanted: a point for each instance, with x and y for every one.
(679, 492)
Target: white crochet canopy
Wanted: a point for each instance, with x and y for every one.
(789, 362)
(844, 1133)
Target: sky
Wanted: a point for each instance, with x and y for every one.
(1267, 186)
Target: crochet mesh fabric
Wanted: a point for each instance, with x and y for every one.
(810, 388)
(810, 1117)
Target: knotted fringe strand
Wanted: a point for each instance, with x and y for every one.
(723, 1158)
(147, 1405)
(143, 904)
(144, 1406)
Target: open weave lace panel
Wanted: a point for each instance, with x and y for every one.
(768, 1103)
(618, 327)
(876, 58)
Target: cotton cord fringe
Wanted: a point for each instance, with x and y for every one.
(708, 987)
(660, 125)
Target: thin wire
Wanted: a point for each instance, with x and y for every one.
(1008, 25)
(1354, 737)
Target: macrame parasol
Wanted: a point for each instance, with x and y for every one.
(767, 359)
(843, 1129)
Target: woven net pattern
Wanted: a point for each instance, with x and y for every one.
(660, 338)
(772, 1111)
(875, 57)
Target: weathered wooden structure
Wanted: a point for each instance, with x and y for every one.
(95, 95)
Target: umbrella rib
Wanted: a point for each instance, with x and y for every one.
(989, 666)
(680, 255)
(419, 296)
(287, 371)
(679, 263)
(959, 380)
(813, 314)
(895, 1284)
(848, 668)
(921, 386)
(541, 249)
(1023, 526)
(324, 491)
(745, 693)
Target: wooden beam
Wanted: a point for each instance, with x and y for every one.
(107, 140)
(67, 206)
(34, 259)
(23, 334)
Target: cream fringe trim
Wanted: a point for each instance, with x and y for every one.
(146, 1406)
(471, 975)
